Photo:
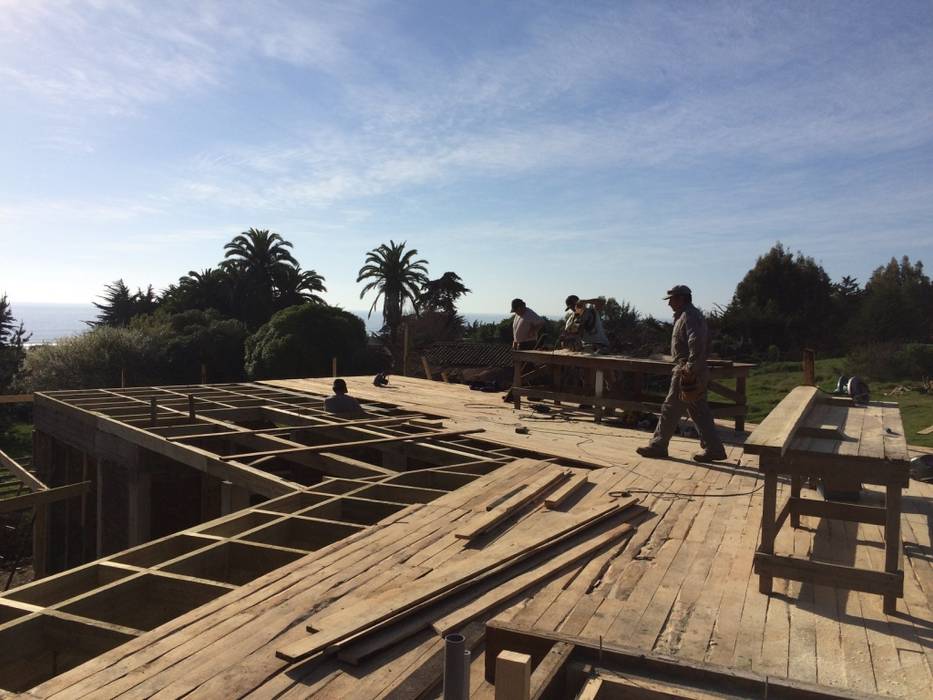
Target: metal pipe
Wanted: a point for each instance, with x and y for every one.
(456, 676)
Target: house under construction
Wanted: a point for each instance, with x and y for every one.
(237, 541)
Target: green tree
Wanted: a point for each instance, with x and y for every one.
(208, 289)
(785, 301)
(442, 294)
(120, 306)
(265, 276)
(396, 276)
(13, 338)
(897, 305)
(301, 341)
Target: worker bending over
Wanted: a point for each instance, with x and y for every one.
(525, 326)
(341, 402)
(583, 327)
(690, 350)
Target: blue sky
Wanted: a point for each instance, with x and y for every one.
(536, 148)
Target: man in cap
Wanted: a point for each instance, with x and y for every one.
(525, 326)
(690, 349)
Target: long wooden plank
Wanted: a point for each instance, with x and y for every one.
(518, 584)
(344, 622)
(28, 500)
(20, 472)
(775, 432)
(15, 398)
(384, 422)
(358, 443)
(490, 519)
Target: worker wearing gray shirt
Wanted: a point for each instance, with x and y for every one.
(690, 350)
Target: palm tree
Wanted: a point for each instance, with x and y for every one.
(396, 276)
(208, 289)
(254, 260)
(296, 286)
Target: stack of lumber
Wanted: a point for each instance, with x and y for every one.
(365, 617)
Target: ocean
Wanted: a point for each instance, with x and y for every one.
(51, 322)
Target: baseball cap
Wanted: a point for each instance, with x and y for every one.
(571, 301)
(679, 290)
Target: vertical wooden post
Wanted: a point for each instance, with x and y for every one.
(598, 394)
(100, 509)
(426, 367)
(123, 377)
(513, 676)
(556, 381)
(809, 367)
(333, 367)
(153, 412)
(203, 373)
(191, 414)
(795, 497)
(40, 544)
(768, 515)
(139, 513)
(517, 384)
(405, 350)
(740, 389)
(892, 540)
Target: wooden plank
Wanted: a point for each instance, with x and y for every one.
(15, 398)
(341, 622)
(592, 688)
(575, 483)
(513, 676)
(9, 505)
(384, 422)
(358, 443)
(925, 431)
(548, 672)
(839, 511)
(490, 519)
(774, 434)
(518, 584)
(20, 472)
(827, 574)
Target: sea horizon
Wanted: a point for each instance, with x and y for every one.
(48, 322)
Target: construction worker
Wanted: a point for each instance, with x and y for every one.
(525, 326)
(341, 402)
(690, 349)
(583, 326)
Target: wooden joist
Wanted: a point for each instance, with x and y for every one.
(29, 500)
(20, 472)
(775, 433)
(357, 443)
(15, 398)
(383, 422)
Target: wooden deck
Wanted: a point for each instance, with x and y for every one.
(681, 586)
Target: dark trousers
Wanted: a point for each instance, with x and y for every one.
(673, 410)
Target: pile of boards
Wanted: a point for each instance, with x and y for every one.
(366, 616)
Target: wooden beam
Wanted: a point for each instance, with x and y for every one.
(9, 505)
(513, 676)
(385, 422)
(20, 472)
(359, 443)
(16, 398)
(576, 482)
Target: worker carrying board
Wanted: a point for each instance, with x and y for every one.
(690, 350)
(583, 325)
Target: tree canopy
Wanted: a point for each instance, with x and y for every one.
(397, 277)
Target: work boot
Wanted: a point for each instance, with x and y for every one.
(709, 455)
(652, 451)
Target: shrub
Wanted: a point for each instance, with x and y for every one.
(885, 361)
(300, 341)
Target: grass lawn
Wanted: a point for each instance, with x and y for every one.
(17, 440)
(769, 382)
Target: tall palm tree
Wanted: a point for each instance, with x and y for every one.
(397, 277)
(254, 260)
(208, 289)
(296, 286)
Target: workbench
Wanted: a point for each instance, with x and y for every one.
(628, 374)
(813, 435)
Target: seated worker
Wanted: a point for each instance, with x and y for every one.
(341, 402)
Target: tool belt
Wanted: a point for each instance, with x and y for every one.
(692, 389)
